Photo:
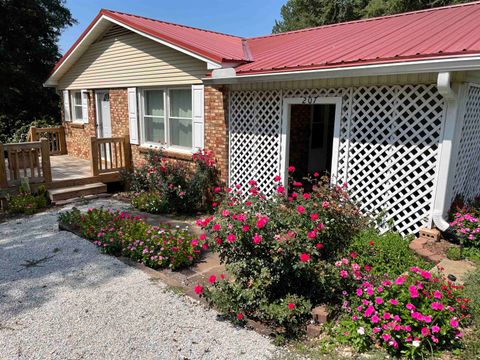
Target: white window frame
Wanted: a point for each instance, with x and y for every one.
(73, 105)
(166, 104)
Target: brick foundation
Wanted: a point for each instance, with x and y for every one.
(216, 129)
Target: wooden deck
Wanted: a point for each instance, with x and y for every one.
(46, 161)
(66, 167)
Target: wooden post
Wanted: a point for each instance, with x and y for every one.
(3, 172)
(94, 155)
(128, 152)
(33, 133)
(46, 168)
(63, 141)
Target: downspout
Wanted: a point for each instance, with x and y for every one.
(445, 89)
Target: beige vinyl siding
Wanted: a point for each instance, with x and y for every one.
(122, 58)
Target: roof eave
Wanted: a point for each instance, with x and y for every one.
(456, 63)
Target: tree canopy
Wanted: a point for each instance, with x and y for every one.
(301, 14)
(29, 31)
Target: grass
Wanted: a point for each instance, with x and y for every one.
(472, 338)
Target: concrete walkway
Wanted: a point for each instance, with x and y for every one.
(62, 299)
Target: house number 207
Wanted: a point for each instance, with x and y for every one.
(309, 99)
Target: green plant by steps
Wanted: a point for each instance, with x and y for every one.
(26, 202)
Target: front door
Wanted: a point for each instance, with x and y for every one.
(104, 124)
(321, 138)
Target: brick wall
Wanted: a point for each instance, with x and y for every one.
(300, 122)
(216, 128)
(78, 134)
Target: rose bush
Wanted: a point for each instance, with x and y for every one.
(278, 247)
(120, 234)
(414, 314)
(163, 186)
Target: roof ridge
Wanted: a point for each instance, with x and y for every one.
(171, 23)
(366, 20)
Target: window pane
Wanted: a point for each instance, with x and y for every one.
(154, 129)
(181, 132)
(154, 103)
(181, 103)
(77, 98)
(78, 112)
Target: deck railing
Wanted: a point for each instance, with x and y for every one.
(110, 154)
(55, 136)
(25, 160)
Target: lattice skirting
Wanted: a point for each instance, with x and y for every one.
(467, 169)
(387, 152)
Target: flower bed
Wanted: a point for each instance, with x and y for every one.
(415, 314)
(281, 251)
(26, 201)
(121, 234)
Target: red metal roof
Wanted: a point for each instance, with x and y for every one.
(416, 35)
(433, 33)
(212, 45)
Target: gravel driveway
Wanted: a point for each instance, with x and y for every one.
(62, 299)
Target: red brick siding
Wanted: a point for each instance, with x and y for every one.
(78, 135)
(216, 126)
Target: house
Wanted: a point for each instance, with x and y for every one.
(389, 105)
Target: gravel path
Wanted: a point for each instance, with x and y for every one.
(62, 299)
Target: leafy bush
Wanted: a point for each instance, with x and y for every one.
(26, 202)
(118, 233)
(151, 202)
(386, 253)
(21, 134)
(413, 314)
(279, 247)
(161, 185)
(465, 221)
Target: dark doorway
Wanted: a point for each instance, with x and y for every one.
(311, 138)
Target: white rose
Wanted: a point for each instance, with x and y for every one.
(416, 343)
(361, 331)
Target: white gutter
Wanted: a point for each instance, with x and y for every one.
(453, 63)
(444, 87)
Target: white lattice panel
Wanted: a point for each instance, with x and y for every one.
(255, 137)
(467, 171)
(388, 146)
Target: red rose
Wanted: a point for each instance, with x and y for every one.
(212, 279)
(240, 316)
(304, 257)
(291, 306)
(198, 289)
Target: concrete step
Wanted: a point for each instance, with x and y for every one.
(71, 192)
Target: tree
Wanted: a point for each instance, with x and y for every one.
(300, 14)
(29, 31)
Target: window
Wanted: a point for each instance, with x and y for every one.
(167, 117)
(77, 109)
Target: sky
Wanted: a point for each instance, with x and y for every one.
(240, 17)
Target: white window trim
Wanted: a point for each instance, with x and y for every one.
(73, 105)
(166, 117)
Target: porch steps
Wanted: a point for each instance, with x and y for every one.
(66, 193)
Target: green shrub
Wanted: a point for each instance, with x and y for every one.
(454, 253)
(26, 202)
(121, 234)
(465, 222)
(151, 202)
(173, 186)
(386, 253)
(280, 246)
